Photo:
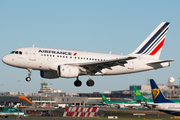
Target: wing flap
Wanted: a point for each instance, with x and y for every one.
(99, 65)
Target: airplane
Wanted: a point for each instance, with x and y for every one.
(141, 99)
(120, 104)
(161, 103)
(7, 111)
(55, 63)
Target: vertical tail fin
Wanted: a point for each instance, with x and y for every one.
(104, 99)
(137, 93)
(158, 97)
(152, 45)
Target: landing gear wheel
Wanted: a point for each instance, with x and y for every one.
(90, 83)
(28, 79)
(29, 74)
(77, 83)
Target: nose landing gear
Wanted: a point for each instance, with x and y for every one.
(29, 74)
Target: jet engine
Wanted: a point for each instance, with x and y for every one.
(67, 71)
(50, 74)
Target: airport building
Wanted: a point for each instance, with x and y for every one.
(46, 97)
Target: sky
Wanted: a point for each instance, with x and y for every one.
(86, 25)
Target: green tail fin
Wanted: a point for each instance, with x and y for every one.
(104, 97)
(137, 93)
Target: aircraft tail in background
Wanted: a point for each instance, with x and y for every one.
(158, 97)
(104, 99)
(137, 93)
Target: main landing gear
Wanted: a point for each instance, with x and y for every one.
(29, 74)
(89, 83)
(77, 83)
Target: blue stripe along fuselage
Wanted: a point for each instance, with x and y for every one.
(152, 39)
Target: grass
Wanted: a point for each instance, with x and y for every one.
(123, 115)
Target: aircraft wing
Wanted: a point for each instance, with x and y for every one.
(99, 65)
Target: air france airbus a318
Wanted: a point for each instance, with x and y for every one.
(55, 63)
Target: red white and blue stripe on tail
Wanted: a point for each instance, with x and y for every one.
(154, 42)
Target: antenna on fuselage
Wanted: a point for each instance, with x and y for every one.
(33, 45)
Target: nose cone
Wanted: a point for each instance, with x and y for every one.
(6, 59)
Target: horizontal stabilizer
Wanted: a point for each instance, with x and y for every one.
(151, 63)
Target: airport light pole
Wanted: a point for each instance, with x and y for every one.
(2, 87)
(18, 98)
(179, 87)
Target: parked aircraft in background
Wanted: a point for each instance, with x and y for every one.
(7, 111)
(141, 99)
(55, 63)
(120, 104)
(161, 103)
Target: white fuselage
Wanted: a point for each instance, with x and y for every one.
(171, 107)
(43, 59)
(11, 113)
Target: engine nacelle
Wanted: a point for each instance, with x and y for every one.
(49, 74)
(68, 71)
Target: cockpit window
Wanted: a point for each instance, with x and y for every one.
(12, 52)
(16, 52)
